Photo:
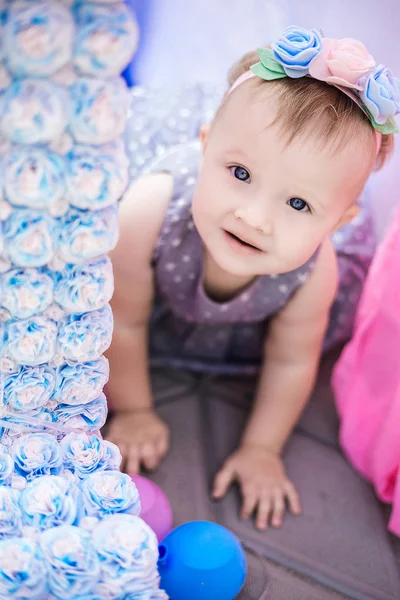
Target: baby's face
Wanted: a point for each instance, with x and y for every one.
(263, 206)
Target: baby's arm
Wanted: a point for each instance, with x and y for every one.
(291, 358)
(135, 427)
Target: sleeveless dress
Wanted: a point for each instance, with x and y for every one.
(189, 329)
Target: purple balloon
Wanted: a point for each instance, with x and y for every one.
(156, 508)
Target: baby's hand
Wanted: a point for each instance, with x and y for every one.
(263, 482)
(142, 437)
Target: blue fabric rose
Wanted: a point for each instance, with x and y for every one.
(107, 493)
(295, 50)
(36, 454)
(73, 565)
(22, 569)
(10, 512)
(48, 501)
(381, 94)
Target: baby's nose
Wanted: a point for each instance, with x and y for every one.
(255, 218)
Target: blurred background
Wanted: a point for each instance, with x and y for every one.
(185, 42)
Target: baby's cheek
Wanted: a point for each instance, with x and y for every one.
(297, 247)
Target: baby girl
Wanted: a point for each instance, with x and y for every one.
(225, 261)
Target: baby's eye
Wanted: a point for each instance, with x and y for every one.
(240, 173)
(299, 204)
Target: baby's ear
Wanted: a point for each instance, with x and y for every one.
(204, 132)
(348, 216)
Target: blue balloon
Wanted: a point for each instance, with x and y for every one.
(202, 560)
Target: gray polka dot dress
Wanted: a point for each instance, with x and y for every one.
(187, 328)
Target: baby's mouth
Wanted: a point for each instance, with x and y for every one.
(242, 242)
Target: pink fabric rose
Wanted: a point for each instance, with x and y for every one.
(342, 62)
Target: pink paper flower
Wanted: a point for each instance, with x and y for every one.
(342, 62)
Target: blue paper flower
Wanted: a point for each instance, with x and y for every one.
(106, 40)
(36, 454)
(29, 388)
(33, 111)
(73, 565)
(95, 178)
(31, 341)
(148, 595)
(84, 288)
(86, 337)
(10, 512)
(86, 453)
(381, 94)
(6, 467)
(51, 25)
(33, 177)
(99, 110)
(22, 569)
(128, 552)
(48, 501)
(295, 50)
(81, 383)
(108, 492)
(3, 22)
(26, 292)
(85, 235)
(83, 417)
(29, 238)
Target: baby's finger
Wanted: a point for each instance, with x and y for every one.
(162, 445)
(293, 498)
(149, 455)
(124, 453)
(278, 509)
(133, 460)
(222, 482)
(263, 511)
(250, 499)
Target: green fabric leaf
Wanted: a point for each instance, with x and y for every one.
(261, 71)
(268, 60)
(387, 128)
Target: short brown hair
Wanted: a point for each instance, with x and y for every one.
(305, 102)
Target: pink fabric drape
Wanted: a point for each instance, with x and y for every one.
(366, 379)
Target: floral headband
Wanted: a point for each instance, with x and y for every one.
(344, 63)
